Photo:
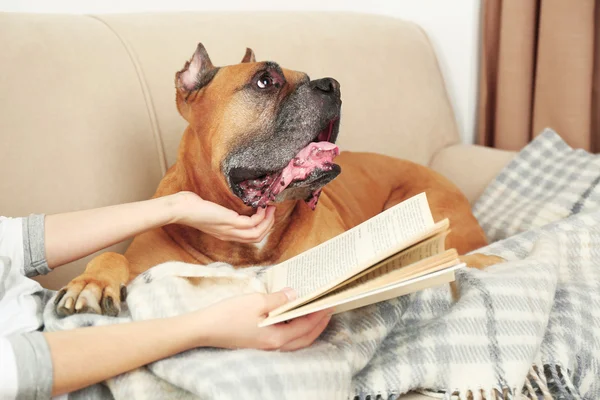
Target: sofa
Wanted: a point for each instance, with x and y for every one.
(87, 102)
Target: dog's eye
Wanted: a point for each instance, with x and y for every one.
(264, 81)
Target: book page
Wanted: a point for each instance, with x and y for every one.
(376, 279)
(357, 248)
(438, 228)
(346, 300)
(420, 251)
(413, 254)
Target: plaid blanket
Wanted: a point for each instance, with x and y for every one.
(528, 327)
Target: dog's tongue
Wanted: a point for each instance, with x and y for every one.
(314, 156)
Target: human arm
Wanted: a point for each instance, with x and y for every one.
(70, 236)
(231, 323)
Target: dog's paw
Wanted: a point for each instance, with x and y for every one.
(88, 294)
(481, 261)
(100, 290)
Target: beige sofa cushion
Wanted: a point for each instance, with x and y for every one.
(74, 127)
(471, 167)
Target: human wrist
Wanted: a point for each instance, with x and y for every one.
(173, 206)
(196, 330)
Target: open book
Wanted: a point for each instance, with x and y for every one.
(397, 252)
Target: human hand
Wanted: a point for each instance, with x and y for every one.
(233, 324)
(220, 222)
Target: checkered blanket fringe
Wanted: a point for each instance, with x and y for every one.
(542, 383)
(547, 383)
(527, 328)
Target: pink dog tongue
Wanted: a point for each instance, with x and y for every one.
(314, 156)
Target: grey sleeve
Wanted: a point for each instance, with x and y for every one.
(34, 365)
(33, 246)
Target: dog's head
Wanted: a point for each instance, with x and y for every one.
(269, 131)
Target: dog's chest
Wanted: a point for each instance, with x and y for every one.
(261, 245)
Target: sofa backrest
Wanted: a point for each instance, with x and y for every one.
(87, 111)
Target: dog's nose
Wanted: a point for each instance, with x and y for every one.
(326, 85)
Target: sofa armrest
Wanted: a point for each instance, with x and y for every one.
(470, 167)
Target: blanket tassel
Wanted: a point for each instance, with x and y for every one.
(548, 381)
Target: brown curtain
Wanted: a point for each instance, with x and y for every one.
(540, 68)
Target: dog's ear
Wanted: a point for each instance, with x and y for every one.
(192, 74)
(249, 56)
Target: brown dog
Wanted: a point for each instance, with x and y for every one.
(262, 134)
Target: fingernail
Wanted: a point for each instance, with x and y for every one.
(290, 293)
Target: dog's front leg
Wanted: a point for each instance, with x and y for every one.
(99, 290)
